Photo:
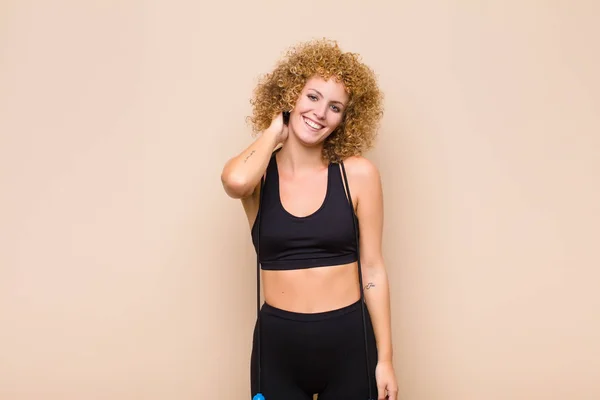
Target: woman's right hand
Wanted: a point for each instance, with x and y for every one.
(279, 129)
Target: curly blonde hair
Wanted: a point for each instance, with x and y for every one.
(279, 90)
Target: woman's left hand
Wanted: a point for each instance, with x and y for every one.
(387, 387)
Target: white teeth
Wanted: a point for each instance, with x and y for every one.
(312, 124)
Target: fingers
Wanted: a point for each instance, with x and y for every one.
(381, 392)
(386, 394)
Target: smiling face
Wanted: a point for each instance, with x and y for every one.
(319, 110)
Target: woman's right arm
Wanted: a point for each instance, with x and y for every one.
(242, 173)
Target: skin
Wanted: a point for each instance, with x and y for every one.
(303, 181)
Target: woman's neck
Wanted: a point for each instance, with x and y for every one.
(295, 158)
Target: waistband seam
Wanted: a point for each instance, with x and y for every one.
(310, 317)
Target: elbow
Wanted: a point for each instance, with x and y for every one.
(374, 266)
(236, 187)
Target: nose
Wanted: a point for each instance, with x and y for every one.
(321, 111)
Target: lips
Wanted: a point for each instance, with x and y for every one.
(312, 124)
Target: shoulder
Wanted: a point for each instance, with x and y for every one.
(365, 182)
(364, 179)
(361, 169)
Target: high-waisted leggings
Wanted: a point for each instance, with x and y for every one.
(306, 354)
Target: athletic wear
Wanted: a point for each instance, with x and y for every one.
(323, 238)
(295, 355)
(304, 354)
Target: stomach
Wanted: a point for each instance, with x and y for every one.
(312, 290)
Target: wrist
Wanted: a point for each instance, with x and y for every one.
(273, 137)
(384, 357)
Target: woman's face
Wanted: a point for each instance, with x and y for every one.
(319, 110)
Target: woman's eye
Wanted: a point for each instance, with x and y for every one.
(312, 97)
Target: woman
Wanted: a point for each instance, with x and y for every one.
(307, 193)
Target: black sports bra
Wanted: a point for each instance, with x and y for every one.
(323, 238)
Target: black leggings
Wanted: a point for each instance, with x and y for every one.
(305, 354)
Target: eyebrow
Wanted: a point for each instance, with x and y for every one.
(333, 101)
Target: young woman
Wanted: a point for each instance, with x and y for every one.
(310, 197)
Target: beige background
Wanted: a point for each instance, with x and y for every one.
(126, 273)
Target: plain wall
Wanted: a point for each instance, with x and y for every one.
(127, 273)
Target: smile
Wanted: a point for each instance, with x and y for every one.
(312, 124)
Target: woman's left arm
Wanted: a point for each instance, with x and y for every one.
(369, 209)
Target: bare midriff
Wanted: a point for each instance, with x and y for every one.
(312, 290)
